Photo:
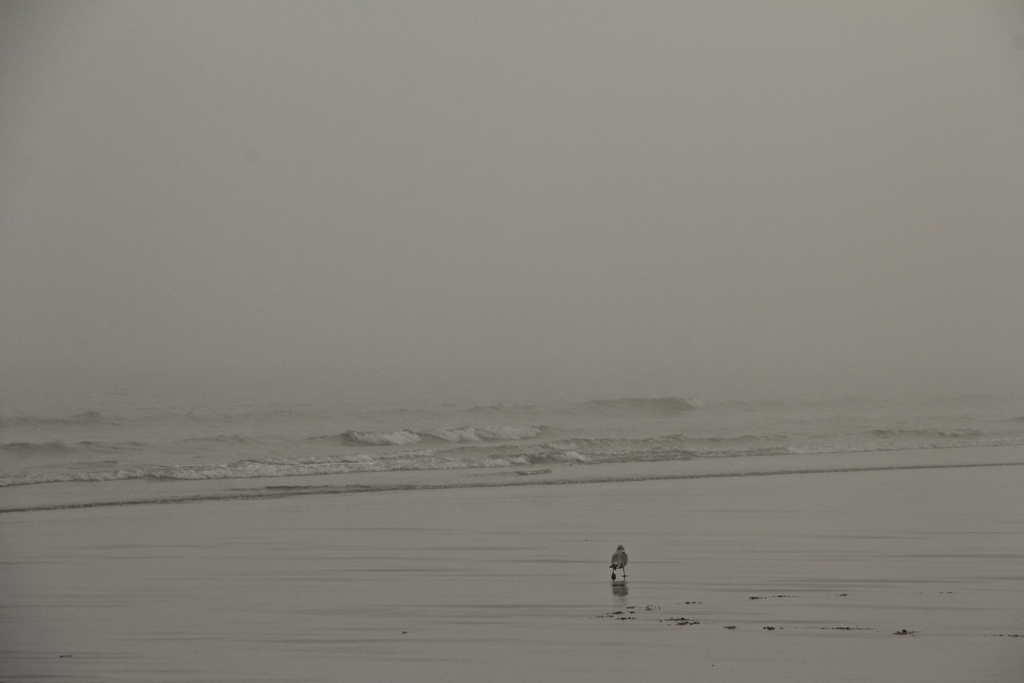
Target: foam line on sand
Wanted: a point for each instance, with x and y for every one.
(271, 492)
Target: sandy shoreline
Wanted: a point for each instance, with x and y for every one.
(817, 575)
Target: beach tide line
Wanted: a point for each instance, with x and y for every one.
(277, 492)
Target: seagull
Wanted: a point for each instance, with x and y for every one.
(619, 560)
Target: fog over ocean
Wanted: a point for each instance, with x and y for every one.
(725, 200)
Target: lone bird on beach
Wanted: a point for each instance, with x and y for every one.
(619, 560)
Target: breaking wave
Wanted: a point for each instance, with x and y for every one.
(29, 447)
(62, 448)
(652, 405)
(579, 452)
(78, 420)
(408, 437)
(928, 433)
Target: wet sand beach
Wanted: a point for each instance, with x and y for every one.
(910, 575)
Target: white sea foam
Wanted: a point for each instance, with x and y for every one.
(570, 456)
(401, 438)
(509, 433)
(464, 434)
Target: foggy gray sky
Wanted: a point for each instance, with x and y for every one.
(681, 197)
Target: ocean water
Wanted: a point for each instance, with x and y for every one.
(89, 438)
